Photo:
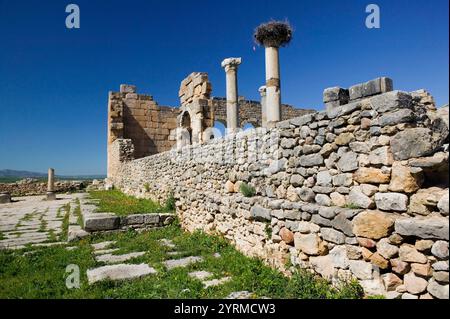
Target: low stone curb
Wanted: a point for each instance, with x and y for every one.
(94, 222)
(99, 222)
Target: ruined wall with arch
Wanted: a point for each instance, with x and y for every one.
(154, 129)
(356, 191)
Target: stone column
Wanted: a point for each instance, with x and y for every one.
(231, 65)
(51, 185)
(262, 91)
(273, 94)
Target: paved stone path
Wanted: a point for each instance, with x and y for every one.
(119, 270)
(33, 220)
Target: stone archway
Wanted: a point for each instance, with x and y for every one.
(249, 125)
(186, 125)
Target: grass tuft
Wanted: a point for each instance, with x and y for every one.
(114, 201)
(247, 190)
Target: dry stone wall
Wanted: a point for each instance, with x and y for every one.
(356, 191)
(28, 187)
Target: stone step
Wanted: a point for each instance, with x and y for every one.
(240, 295)
(75, 232)
(200, 275)
(103, 245)
(216, 282)
(183, 262)
(119, 272)
(113, 259)
(167, 243)
(105, 251)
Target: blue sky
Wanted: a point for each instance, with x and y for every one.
(54, 82)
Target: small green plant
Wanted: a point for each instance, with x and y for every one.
(247, 190)
(65, 224)
(147, 187)
(351, 206)
(268, 230)
(43, 225)
(169, 206)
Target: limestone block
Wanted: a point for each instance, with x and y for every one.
(425, 228)
(100, 221)
(373, 224)
(369, 175)
(405, 179)
(413, 142)
(336, 94)
(390, 101)
(5, 198)
(127, 88)
(391, 201)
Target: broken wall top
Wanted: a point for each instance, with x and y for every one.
(195, 86)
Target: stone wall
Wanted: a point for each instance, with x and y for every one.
(139, 118)
(153, 128)
(28, 187)
(250, 111)
(357, 191)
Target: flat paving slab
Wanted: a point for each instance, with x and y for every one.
(216, 282)
(167, 243)
(200, 275)
(240, 295)
(113, 259)
(119, 272)
(33, 220)
(103, 245)
(183, 262)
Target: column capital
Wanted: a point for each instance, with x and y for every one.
(262, 90)
(231, 63)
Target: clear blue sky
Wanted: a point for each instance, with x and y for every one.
(54, 82)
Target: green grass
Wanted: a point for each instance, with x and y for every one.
(247, 190)
(2, 236)
(65, 223)
(114, 201)
(77, 212)
(42, 274)
(43, 226)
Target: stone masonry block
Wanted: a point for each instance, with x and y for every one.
(336, 94)
(370, 88)
(127, 88)
(99, 222)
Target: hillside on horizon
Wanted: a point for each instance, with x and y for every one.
(10, 173)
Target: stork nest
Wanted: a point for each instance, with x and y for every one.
(274, 34)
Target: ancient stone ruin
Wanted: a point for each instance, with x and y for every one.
(155, 129)
(359, 190)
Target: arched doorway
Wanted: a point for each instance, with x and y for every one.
(221, 127)
(186, 125)
(248, 126)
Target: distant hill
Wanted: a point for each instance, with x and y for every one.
(24, 174)
(12, 175)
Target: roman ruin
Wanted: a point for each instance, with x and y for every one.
(231, 65)
(359, 190)
(272, 36)
(51, 195)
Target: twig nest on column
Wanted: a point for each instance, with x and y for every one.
(273, 34)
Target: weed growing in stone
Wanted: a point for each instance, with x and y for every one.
(247, 190)
(65, 222)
